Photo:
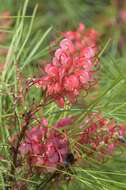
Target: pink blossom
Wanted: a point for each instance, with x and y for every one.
(101, 134)
(72, 67)
(46, 147)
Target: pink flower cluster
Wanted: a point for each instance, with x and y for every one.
(72, 67)
(46, 147)
(101, 135)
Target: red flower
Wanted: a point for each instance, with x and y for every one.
(72, 67)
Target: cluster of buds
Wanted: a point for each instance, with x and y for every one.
(72, 66)
(101, 135)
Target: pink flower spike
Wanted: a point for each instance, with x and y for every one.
(72, 67)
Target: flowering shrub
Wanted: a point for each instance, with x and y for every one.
(44, 147)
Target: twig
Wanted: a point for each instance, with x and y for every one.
(20, 137)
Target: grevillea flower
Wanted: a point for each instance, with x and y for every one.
(101, 135)
(72, 66)
(46, 147)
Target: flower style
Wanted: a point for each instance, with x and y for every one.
(72, 67)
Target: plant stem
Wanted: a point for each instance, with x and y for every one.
(16, 148)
